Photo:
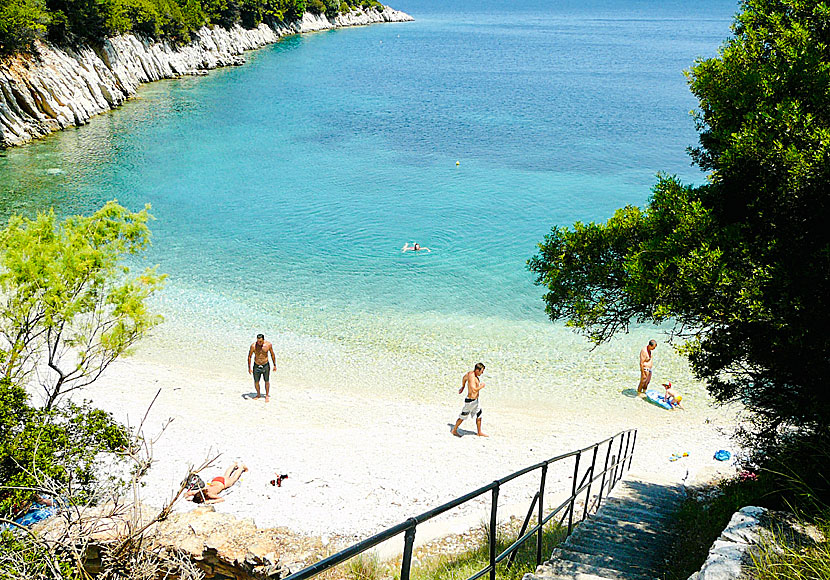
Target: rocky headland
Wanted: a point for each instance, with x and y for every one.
(57, 87)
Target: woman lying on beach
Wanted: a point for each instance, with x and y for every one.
(210, 492)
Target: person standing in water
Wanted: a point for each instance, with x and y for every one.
(646, 362)
(471, 404)
(259, 351)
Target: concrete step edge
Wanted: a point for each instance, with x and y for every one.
(613, 530)
(624, 564)
(553, 576)
(631, 521)
(566, 567)
(634, 543)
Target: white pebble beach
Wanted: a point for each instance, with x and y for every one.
(357, 464)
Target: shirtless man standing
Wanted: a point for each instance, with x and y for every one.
(645, 365)
(259, 351)
(471, 406)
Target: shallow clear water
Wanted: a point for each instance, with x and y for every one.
(284, 189)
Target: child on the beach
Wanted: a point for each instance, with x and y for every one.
(210, 492)
(673, 398)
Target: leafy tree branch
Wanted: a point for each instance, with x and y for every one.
(67, 300)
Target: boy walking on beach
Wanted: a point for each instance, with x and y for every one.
(262, 368)
(471, 406)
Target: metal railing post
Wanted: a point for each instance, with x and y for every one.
(604, 474)
(493, 522)
(631, 457)
(573, 494)
(617, 470)
(590, 482)
(541, 514)
(408, 543)
(524, 529)
(624, 457)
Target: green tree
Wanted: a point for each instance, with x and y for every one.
(68, 304)
(21, 22)
(74, 21)
(740, 266)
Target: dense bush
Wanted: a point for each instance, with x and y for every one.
(58, 446)
(21, 21)
(738, 266)
(83, 21)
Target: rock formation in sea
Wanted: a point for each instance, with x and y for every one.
(57, 87)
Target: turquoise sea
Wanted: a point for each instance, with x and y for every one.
(285, 189)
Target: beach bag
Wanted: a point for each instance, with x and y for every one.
(194, 482)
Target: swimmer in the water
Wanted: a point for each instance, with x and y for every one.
(415, 247)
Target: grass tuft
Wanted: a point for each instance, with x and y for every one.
(436, 563)
(778, 560)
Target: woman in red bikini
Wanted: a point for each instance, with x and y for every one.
(210, 493)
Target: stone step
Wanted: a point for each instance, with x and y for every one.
(627, 539)
(569, 568)
(656, 496)
(659, 508)
(614, 530)
(619, 562)
(638, 556)
(635, 515)
(647, 487)
(598, 538)
(543, 572)
(654, 526)
(662, 511)
(649, 492)
(633, 550)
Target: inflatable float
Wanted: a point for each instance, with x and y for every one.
(656, 398)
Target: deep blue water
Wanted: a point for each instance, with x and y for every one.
(284, 189)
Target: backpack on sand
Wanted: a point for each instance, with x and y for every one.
(194, 482)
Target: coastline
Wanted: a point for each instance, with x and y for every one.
(64, 87)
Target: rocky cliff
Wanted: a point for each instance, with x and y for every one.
(59, 87)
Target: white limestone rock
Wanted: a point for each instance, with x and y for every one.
(60, 87)
(730, 557)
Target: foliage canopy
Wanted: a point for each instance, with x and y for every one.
(68, 306)
(740, 266)
(91, 21)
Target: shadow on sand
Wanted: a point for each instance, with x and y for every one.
(461, 431)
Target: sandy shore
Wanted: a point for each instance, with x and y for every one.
(358, 464)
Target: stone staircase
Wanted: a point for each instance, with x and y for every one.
(627, 539)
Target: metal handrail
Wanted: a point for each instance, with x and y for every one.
(614, 465)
